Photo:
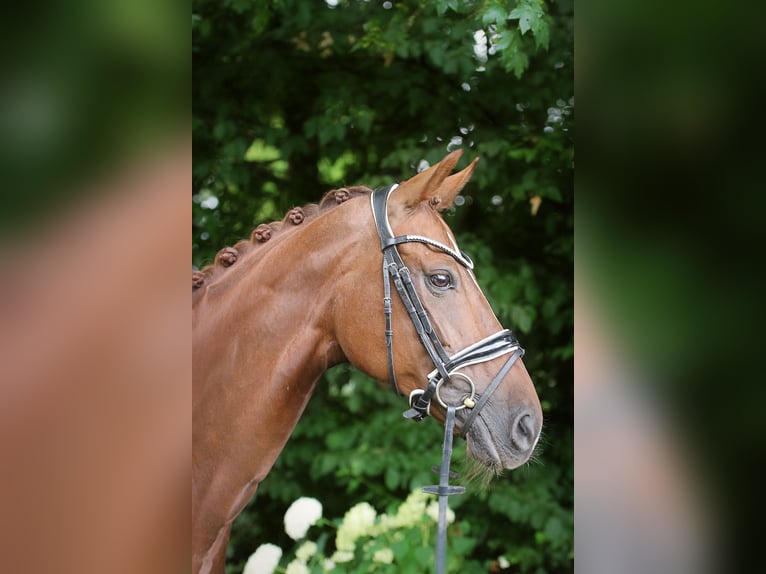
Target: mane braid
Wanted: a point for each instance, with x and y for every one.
(265, 232)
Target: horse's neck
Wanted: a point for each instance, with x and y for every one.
(261, 343)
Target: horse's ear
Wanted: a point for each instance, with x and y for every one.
(435, 185)
(448, 190)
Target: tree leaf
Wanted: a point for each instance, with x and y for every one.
(493, 15)
(525, 14)
(541, 32)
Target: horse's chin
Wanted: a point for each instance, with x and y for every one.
(483, 448)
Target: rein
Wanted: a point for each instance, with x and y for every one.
(446, 367)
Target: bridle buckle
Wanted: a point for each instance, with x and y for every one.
(419, 408)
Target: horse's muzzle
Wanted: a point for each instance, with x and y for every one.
(499, 443)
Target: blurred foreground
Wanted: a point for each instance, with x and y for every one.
(95, 402)
(95, 163)
(668, 394)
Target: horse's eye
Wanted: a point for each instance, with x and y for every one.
(441, 280)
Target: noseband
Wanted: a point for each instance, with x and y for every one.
(446, 366)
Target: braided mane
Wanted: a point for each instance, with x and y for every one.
(228, 256)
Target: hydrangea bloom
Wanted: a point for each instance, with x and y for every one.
(409, 514)
(342, 556)
(384, 556)
(264, 560)
(301, 515)
(297, 567)
(358, 521)
(433, 511)
(411, 511)
(306, 551)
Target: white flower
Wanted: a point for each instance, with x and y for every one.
(385, 523)
(342, 556)
(297, 567)
(503, 562)
(433, 511)
(412, 509)
(328, 565)
(302, 513)
(306, 551)
(357, 522)
(410, 512)
(384, 556)
(264, 560)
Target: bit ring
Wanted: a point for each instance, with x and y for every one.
(468, 402)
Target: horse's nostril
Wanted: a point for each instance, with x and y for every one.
(524, 432)
(525, 426)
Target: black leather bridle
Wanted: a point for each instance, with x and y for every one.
(446, 366)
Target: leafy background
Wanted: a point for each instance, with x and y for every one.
(292, 98)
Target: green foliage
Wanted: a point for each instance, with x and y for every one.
(292, 98)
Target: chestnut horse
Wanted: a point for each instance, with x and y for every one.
(272, 314)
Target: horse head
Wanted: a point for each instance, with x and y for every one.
(445, 346)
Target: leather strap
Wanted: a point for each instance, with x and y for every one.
(489, 390)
